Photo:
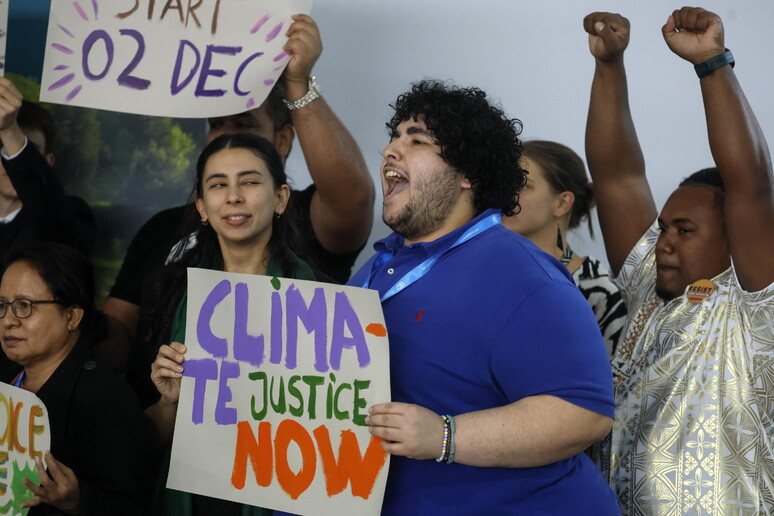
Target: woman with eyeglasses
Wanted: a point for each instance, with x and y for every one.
(48, 327)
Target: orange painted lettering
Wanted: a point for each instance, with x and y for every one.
(35, 411)
(294, 483)
(259, 452)
(360, 471)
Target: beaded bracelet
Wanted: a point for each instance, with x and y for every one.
(445, 448)
(452, 447)
(448, 447)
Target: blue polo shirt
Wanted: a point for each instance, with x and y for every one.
(493, 321)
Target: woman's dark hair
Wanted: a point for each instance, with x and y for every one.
(475, 137)
(69, 276)
(565, 172)
(158, 310)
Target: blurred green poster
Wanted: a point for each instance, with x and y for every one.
(126, 167)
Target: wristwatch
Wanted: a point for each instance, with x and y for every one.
(313, 93)
(710, 65)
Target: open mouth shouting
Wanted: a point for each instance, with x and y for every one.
(395, 181)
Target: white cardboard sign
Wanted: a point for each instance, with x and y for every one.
(25, 434)
(279, 375)
(181, 58)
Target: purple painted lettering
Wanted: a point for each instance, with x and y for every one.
(201, 370)
(176, 86)
(344, 316)
(239, 73)
(314, 318)
(207, 71)
(88, 43)
(247, 348)
(125, 78)
(276, 328)
(226, 415)
(213, 345)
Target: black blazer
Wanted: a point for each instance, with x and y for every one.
(47, 214)
(96, 430)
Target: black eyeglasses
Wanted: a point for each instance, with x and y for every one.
(22, 308)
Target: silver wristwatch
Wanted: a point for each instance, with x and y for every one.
(313, 93)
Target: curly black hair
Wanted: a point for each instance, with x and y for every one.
(475, 137)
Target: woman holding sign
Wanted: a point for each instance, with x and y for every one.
(48, 326)
(240, 193)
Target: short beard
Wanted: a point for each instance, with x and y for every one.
(429, 208)
(665, 295)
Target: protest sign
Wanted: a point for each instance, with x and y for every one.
(3, 33)
(279, 375)
(25, 435)
(179, 58)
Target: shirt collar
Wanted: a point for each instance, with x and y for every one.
(394, 242)
(9, 218)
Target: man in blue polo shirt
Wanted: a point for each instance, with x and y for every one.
(499, 375)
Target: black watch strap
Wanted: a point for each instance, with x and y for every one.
(710, 65)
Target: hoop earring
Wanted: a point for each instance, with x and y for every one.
(559, 240)
(205, 223)
(277, 216)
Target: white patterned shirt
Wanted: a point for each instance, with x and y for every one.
(694, 429)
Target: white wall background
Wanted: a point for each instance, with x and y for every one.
(533, 57)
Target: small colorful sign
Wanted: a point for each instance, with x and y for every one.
(176, 58)
(279, 375)
(25, 434)
(700, 290)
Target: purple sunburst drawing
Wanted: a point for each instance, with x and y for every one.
(281, 58)
(70, 77)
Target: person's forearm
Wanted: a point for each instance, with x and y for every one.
(343, 204)
(742, 157)
(163, 414)
(624, 200)
(612, 148)
(736, 139)
(13, 139)
(531, 432)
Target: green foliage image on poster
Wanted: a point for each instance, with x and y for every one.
(126, 167)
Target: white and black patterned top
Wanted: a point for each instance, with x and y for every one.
(605, 299)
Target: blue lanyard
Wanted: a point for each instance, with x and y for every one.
(18, 381)
(423, 268)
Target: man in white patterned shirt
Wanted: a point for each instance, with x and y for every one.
(694, 375)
